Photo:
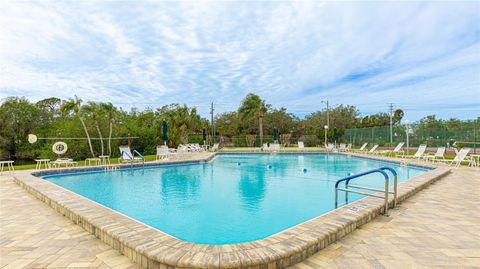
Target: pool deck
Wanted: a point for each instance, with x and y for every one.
(29, 230)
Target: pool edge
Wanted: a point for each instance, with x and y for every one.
(152, 248)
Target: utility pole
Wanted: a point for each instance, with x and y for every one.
(328, 121)
(390, 106)
(211, 122)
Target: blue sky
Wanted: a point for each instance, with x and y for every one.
(422, 56)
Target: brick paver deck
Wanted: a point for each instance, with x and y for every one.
(32, 235)
(438, 227)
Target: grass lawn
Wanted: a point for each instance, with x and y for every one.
(80, 163)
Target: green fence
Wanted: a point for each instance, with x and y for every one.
(433, 137)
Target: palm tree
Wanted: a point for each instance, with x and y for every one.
(109, 109)
(74, 105)
(92, 109)
(253, 106)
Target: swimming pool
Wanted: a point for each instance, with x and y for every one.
(233, 198)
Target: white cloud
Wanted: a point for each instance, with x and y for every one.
(292, 53)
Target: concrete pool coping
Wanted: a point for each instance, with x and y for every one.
(152, 248)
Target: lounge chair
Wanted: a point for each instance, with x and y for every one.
(460, 157)
(396, 150)
(127, 156)
(301, 146)
(418, 155)
(265, 147)
(275, 147)
(438, 156)
(182, 149)
(330, 147)
(373, 149)
(349, 147)
(363, 147)
(342, 147)
(162, 153)
(215, 147)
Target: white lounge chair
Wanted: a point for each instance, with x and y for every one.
(396, 150)
(265, 147)
(363, 147)
(460, 157)
(126, 155)
(373, 149)
(418, 155)
(330, 147)
(162, 153)
(275, 147)
(342, 147)
(215, 147)
(349, 147)
(301, 146)
(438, 156)
(182, 149)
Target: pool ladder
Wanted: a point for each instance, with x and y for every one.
(385, 191)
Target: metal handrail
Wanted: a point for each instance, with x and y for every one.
(395, 183)
(347, 190)
(138, 153)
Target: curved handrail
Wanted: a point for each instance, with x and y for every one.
(347, 179)
(138, 153)
(395, 185)
(126, 154)
(389, 169)
(378, 170)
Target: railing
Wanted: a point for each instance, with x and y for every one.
(124, 153)
(385, 191)
(138, 153)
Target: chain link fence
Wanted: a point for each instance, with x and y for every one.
(433, 137)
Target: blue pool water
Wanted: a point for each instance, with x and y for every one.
(234, 198)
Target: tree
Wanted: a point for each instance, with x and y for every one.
(397, 116)
(18, 118)
(74, 105)
(93, 110)
(110, 110)
(253, 106)
(181, 120)
(282, 120)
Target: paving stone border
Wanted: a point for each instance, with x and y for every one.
(152, 248)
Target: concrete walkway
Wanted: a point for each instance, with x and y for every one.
(32, 235)
(437, 228)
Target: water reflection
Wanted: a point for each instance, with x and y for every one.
(180, 184)
(252, 187)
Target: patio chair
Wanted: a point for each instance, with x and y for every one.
(215, 147)
(127, 156)
(330, 147)
(373, 149)
(397, 149)
(363, 147)
(460, 157)
(275, 147)
(342, 147)
(438, 156)
(162, 153)
(301, 146)
(349, 147)
(418, 155)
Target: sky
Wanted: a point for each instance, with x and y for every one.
(422, 56)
